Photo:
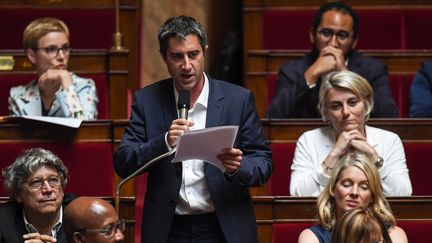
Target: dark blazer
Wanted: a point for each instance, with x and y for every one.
(153, 111)
(12, 226)
(421, 92)
(294, 99)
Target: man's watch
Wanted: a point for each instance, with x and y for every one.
(379, 162)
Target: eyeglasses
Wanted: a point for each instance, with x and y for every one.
(109, 231)
(53, 51)
(37, 183)
(341, 36)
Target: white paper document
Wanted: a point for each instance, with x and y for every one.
(206, 144)
(69, 122)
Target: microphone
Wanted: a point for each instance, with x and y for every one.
(183, 106)
(183, 103)
(145, 166)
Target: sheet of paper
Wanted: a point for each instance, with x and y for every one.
(69, 122)
(206, 144)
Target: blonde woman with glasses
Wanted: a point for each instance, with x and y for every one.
(56, 91)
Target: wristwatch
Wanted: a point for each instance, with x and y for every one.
(379, 162)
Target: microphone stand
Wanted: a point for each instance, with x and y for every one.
(120, 184)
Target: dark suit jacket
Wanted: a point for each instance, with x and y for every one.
(421, 92)
(294, 99)
(12, 226)
(153, 111)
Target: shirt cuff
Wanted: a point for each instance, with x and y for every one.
(166, 142)
(310, 85)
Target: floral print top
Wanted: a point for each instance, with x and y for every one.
(77, 101)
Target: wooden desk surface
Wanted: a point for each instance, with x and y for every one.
(267, 62)
(289, 130)
(277, 209)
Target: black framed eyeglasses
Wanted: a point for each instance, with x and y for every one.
(109, 231)
(53, 51)
(37, 183)
(341, 36)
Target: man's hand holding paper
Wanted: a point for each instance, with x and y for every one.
(213, 145)
(231, 159)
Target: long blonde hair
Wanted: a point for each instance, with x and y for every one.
(326, 202)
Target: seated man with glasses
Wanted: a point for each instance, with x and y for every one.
(334, 33)
(35, 182)
(89, 219)
(55, 91)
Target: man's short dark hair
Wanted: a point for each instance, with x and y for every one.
(340, 7)
(179, 27)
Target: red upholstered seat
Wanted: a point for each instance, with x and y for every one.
(286, 29)
(418, 162)
(418, 22)
(89, 28)
(395, 28)
(400, 85)
(90, 165)
(417, 154)
(271, 87)
(385, 25)
(288, 232)
(283, 154)
(7, 81)
(418, 231)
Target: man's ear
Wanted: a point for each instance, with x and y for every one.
(354, 44)
(18, 197)
(31, 55)
(311, 35)
(163, 55)
(205, 50)
(78, 237)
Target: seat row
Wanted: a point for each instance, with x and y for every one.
(263, 65)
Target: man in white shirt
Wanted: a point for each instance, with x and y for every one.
(194, 200)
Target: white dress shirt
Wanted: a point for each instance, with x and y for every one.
(194, 197)
(31, 229)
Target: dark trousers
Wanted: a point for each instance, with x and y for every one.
(196, 228)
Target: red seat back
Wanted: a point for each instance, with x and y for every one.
(396, 28)
(90, 165)
(283, 154)
(418, 231)
(400, 85)
(386, 25)
(286, 29)
(418, 162)
(89, 28)
(288, 232)
(417, 154)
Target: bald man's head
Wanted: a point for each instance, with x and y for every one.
(88, 219)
